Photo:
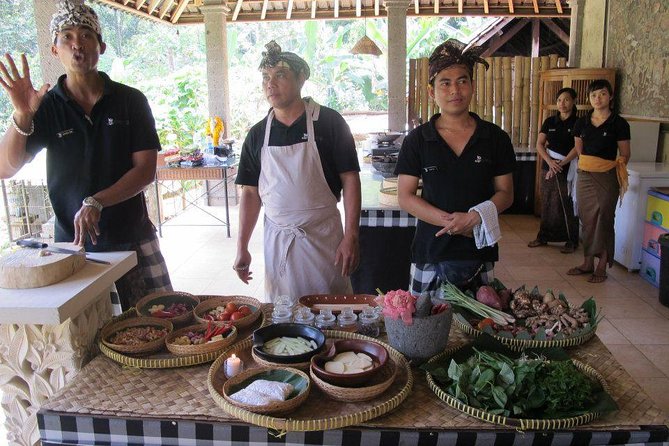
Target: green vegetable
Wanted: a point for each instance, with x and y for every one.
(457, 297)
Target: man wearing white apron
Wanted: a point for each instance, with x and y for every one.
(296, 163)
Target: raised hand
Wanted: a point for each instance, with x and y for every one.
(22, 94)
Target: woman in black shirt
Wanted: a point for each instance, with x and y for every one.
(555, 145)
(602, 140)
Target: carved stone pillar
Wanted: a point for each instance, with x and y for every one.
(397, 63)
(216, 42)
(36, 361)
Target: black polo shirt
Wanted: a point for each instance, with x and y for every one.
(602, 141)
(88, 154)
(559, 134)
(335, 143)
(454, 184)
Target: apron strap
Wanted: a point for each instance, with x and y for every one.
(268, 127)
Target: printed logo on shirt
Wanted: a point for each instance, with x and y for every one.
(552, 130)
(604, 134)
(65, 133)
(305, 137)
(430, 169)
(112, 121)
(479, 159)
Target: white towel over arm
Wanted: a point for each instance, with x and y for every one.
(487, 233)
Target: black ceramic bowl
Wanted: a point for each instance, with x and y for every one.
(266, 334)
(386, 169)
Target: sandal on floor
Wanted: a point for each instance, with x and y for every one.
(577, 271)
(535, 243)
(597, 278)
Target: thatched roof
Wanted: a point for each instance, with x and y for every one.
(180, 12)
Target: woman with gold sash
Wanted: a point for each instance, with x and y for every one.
(602, 141)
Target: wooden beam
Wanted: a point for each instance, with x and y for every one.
(289, 9)
(376, 7)
(558, 6)
(152, 6)
(263, 12)
(486, 7)
(179, 10)
(125, 2)
(139, 4)
(459, 6)
(131, 10)
(358, 8)
(436, 6)
(313, 8)
(416, 7)
(550, 24)
(497, 43)
(536, 6)
(536, 26)
(238, 7)
(336, 8)
(511, 6)
(166, 7)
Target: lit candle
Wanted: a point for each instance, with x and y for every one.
(233, 366)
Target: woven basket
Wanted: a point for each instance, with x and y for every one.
(210, 302)
(521, 423)
(184, 350)
(277, 408)
(347, 415)
(166, 298)
(144, 348)
(304, 366)
(379, 384)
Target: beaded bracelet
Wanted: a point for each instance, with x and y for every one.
(21, 132)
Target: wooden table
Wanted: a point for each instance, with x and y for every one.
(173, 407)
(217, 172)
(46, 336)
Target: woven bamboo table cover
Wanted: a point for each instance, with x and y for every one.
(105, 388)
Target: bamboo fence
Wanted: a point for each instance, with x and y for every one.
(507, 94)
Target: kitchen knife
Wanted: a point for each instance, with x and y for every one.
(39, 245)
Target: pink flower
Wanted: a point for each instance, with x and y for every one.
(398, 304)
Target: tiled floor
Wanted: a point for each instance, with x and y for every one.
(635, 328)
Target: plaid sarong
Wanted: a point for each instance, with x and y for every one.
(428, 276)
(148, 276)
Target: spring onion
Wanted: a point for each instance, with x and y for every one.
(457, 297)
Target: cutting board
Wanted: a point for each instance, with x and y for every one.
(27, 268)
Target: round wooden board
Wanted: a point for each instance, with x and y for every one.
(25, 268)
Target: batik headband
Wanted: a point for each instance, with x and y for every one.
(451, 52)
(274, 57)
(74, 13)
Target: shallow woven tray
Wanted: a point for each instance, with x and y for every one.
(318, 412)
(210, 302)
(304, 366)
(521, 423)
(167, 360)
(122, 324)
(522, 344)
(182, 319)
(209, 347)
(378, 384)
(276, 408)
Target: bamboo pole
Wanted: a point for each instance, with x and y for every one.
(411, 107)
(424, 76)
(488, 90)
(525, 114)
(553, 60)
(534, 95)
(497, 75)
(517, 99)
(506, 95)
(480, 87)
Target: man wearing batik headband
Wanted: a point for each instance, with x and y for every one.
(466, 165)
(296, 162)
(102, 144)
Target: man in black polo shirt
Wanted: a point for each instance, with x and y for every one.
(295, 163)
(102, 144)
(466, 165)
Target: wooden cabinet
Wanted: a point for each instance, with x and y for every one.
(551, 82)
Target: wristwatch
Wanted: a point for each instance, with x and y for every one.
(92, 202)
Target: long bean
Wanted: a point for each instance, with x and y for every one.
(457, 297)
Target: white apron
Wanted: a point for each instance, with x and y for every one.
(303, 226)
